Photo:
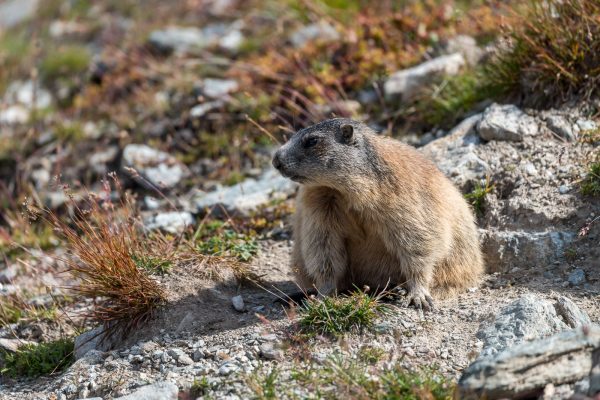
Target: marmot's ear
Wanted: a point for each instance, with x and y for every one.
(347, 133)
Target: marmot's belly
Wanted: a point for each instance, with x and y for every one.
(372, 265)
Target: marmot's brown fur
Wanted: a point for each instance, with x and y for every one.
(374, 211)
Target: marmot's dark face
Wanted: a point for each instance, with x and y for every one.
(323, 154)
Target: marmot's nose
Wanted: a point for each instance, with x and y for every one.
(277, 161)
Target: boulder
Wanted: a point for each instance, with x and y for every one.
(506, 122)
(528, 318)
(523, 371)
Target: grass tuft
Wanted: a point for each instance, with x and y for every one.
(553, 51)
(39, 359)
(335, 315)
(65, 62)
(590, 186)
(103, 243)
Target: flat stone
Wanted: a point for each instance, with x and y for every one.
(408, 82)
(247, 195)
(201, 109)
(155, 391)
(191, 39)
(91, 340)
(506, 122)
(217, 88)
(321, 31)
(173, 222)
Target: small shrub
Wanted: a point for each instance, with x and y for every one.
(39, 359)
(477, 196)
(102, 243)
(65, 62)
(590, 186)
(199, 388)
(553, 51)
(334, 315)
(398, 383)
(264, 385)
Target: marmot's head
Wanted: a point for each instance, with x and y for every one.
(326, 154)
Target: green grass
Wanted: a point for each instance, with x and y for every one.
(477, 196)
(335, 315)
(69, 132)
(34, 360)
(152, 264)
(590, 186)
(65, 62)
(230, 243)
(199, 387)
(342, 376)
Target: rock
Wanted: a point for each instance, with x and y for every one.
(408, 82)
(92, 340)
(29, 94)
(467, 46)
(530, 169)
(156, 168)
(238, 303)
(455, 155)
(227, 368)
(13, 12)
(189, 39)
(506, 122)
(100, 160)
(173, 222)
(201, 109)
(13, 345)
(577, 277)
(586, 125)
(184, 359)
(523, 371)
(570, 313)
(247, 195)
(155, 391)
(270, 351)
(562, 127)
(564, 189)
(14, 115)
(527, 318)
(321, 31)
(9, 273)
(217, 88)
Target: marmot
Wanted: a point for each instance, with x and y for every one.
(374, 211)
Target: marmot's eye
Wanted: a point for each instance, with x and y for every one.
(310, 142)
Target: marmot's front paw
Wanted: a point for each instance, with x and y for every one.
(419, 298)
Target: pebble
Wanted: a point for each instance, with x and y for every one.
(576, 277)
(238, 303)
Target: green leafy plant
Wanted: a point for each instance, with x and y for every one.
(230, 243)
(152, 264)
(477, 196)
(334, 315)
(39, 359)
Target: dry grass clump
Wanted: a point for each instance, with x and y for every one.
(104, 243)
(553, 51)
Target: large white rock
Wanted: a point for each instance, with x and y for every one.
(173, 222)
(189, 39)
(155, 391)
(506, 122)
(408, 82)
